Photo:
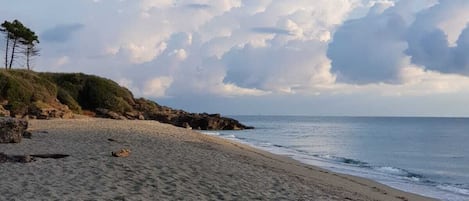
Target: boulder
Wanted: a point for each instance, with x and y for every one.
(41, 110)
(27, 135)
(11, 129)
(121, 153)
(4, 112)
(105, 113)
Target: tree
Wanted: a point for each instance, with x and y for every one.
(5, 28)
(29, 39)
(19, 36)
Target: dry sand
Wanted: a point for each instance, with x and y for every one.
(166, 163)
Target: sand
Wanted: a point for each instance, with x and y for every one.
(166, 163)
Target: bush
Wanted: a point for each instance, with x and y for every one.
(76, 90)
(64, 97)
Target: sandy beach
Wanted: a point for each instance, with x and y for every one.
(166, 163)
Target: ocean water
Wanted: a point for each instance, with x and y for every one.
(427, 156)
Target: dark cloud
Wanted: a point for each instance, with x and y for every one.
(198, 6)
(368, 49)
(61, 33)
(271, 30)
(375, 48)
(429, 46)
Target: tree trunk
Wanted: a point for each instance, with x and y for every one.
(28, 56)
(13, 47)
(6, 52)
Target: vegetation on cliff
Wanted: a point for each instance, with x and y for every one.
(58, 95)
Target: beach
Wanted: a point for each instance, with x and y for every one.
(166, 163)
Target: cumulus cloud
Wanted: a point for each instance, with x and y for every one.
(392, 36)
(439, 36)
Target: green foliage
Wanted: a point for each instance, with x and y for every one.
(91, 92)
(64, 97)
(104, 93)
(25, 86)
(78, 91)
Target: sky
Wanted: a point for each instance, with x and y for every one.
(264, 57)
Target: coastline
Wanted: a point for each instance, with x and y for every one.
(167, 163)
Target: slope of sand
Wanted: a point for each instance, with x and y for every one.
(166, 163)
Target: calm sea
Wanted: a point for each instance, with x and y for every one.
(427, 156)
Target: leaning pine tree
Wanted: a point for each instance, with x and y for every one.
(5, 27)
(29, 40)
(18, 36)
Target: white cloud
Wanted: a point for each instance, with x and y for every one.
(157, 87)
(61, 61)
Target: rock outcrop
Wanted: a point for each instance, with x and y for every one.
(4, 112)
(27, 94)
(199, 121)
(41, 110)
(11, 129)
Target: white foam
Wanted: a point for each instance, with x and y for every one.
(210, 133)
(391, 170)
(454, 189)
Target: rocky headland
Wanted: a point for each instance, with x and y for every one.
(33, 95)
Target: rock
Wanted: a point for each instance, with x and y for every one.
(4, 112)
(186, 125)
(40, 110)
(105, 113)
(121, 153)
(11, 129)
(134, 115)
(27, 134)
(180, 118)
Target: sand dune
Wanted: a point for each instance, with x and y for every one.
(166, 163)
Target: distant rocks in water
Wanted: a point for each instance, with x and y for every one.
(121, 153)
(12, 130)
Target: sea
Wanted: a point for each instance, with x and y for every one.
(423, 155)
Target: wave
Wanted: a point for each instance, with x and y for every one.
(382, 169)
(453, 189)
(349, 161)
(210, 133)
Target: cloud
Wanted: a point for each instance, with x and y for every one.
(438, 39)
(61, 33)
(370, 49)
(157, 87)
(198, 6)
(392, 36)
(271, 30)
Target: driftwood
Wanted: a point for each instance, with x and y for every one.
(28, 158)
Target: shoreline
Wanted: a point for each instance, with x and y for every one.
(169, 163)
